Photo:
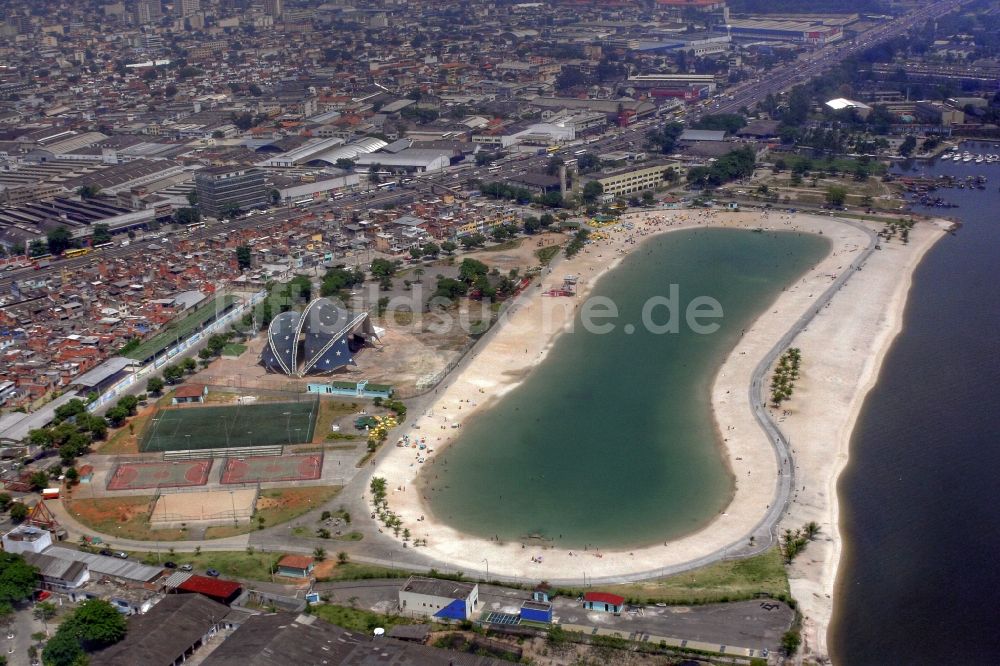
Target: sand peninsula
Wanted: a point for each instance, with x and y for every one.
(842, 348)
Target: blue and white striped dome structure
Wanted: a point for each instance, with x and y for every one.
(320, 339)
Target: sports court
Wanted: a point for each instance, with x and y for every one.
(206, 507)
(136, 476)
(273, 468)
(226, 426)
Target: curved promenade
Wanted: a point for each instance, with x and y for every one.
(377, 548)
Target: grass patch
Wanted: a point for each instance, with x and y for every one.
(341, 436)
(350, 536)
(355, 619)
(730, 580)
(361, 571)
(545, 254)
(230, 564)
(233, 349)
(279, 505)
(223, 531)
(512, 244)
(329, 412)
(123, 517)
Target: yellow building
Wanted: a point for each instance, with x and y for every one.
(633, 179)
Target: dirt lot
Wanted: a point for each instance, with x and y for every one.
(126, 517)
(521, 256)
(415, 348)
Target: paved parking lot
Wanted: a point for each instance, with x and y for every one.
(751, 624)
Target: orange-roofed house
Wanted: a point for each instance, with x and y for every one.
(296, 566)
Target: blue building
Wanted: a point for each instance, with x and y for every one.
(441, 599)
(536, 611)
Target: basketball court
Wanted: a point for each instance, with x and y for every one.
(273, 468)
(206, 507)
(137, 476)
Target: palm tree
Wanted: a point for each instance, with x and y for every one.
(319, 554)
(418, 272)
(812, 529)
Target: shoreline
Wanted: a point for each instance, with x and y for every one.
(813, 577)
(844, 344)
(747, 447)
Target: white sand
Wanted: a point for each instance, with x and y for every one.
(841, 353)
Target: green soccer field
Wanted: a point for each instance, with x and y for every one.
(222, 426)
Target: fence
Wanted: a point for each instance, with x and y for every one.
(224, 452)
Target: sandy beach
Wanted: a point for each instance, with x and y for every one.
(842, 350)
(849, 341)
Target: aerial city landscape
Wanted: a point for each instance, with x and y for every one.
(570, 333)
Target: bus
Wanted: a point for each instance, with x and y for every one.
(494, 169)
(391, 185)
(76, 252)
(102, 245)
(302, 203)
(552, 150)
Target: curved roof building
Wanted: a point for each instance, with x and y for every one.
(318, 340)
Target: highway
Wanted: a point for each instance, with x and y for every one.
(810, 65)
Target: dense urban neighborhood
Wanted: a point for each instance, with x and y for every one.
(251, 250)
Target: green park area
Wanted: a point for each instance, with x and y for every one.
(729, 580)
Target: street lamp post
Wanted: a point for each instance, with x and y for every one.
(487, 569)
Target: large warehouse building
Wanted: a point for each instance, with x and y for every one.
(320, 339)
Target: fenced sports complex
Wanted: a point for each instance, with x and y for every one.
(137, 476)
(237, 425)
(280, 468)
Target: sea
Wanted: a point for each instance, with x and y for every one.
(610, 442)
(920, 499)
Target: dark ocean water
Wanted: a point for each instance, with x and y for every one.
(610, 441)
(920, 576)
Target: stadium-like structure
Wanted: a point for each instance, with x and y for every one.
(319, 340)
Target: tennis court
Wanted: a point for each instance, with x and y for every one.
(225, 426)
(135, 476)
(273, 468)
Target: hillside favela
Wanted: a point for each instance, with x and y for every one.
(467, 333)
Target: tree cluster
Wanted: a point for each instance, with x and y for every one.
(94, 625)
(735, 164)
(730, 123)
(73, 431)
(783, 381)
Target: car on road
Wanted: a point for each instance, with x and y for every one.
(121, 555)
(186, 567)
(170, 565)
(106, 552)
(213, 573)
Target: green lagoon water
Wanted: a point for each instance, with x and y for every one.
(610, 441)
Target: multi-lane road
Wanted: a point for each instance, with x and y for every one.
(809, 65)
